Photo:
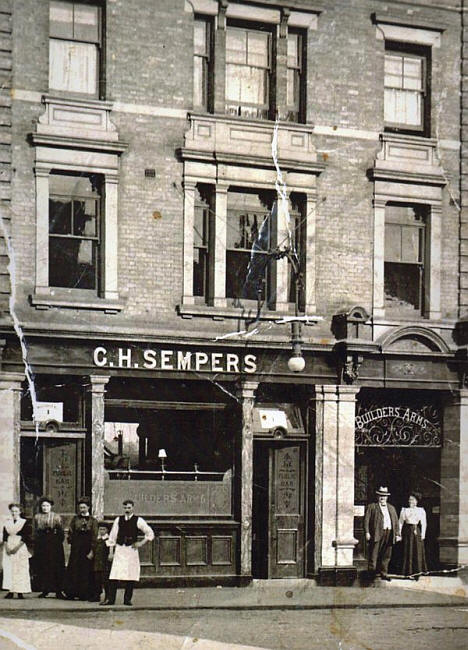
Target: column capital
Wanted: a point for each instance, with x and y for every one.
(98, 383)
(111, 178)
(189, 185)
(11, 380)
(222, 188)
(379, 202)
(247, 389)
(459, 396)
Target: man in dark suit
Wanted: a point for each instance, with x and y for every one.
(382, 531)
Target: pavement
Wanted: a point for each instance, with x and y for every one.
(429, 591)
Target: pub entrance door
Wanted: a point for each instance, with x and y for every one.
(278, 509)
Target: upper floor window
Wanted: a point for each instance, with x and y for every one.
(406, 96)
(295, 91)
(249, 268)
(201, 62)
(248, 70)
(201, 244)
(74, 47)
(74, 231)
(405, 243)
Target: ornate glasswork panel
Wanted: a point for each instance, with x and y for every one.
(379, 425)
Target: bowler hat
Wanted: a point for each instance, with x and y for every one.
(382, 492)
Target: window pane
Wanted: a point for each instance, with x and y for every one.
(199, 81)
(393, 65)
(199, 228)
(243, 229)
(85, 218)
(73, 66)
(413, 73)
(253, 86)
(61, 19)
(410, 244)
(199, 37)
(60, 216)
(392, 242)
(236, 46)
(293, 51)
(258, 49)
(86, 23)
(200, 267)
(402, 107)
(403, 286)
(72, 263)
(292, 88)
(233, 83)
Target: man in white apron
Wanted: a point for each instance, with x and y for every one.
(124, 544)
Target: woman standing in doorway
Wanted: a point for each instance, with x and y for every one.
(49, 558)
(16, 536)
(413, 532)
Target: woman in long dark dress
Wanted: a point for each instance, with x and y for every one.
(82, 537)
(413, 532)
(49, 558)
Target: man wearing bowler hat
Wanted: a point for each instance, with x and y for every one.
(382, 531)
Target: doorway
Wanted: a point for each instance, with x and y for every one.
(278, 509)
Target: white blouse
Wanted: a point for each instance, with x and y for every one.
(414, 516)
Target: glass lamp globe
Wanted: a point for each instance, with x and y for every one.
(296, 363)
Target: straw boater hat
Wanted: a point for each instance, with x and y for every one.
(382, 492)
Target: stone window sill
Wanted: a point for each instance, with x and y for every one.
(244, 313)
(40, 301)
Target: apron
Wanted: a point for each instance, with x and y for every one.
(16, 567)
(126, 564)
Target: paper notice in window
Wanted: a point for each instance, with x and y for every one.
(272, 418)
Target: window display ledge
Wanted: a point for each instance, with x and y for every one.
(40, 301)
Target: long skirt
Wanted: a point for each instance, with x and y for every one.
(79, 577)
(16, 567)
(49, 561)
(414, 556)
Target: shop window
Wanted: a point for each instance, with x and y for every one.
(248, 71)
(201, 245)
(405, 239)
(201, 62)
(170, 445)
(295, 91)
(249, 268)
(74, 231)
(74, 47)
(406, 88)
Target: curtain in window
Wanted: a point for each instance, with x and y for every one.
(73, 66)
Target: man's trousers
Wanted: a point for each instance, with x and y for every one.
(380, 553)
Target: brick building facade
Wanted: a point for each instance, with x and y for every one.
(141, 150)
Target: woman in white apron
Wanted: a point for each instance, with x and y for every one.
(16, 556)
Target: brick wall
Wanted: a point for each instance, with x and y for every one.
(149, 64)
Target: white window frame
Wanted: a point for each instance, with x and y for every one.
(72, 160)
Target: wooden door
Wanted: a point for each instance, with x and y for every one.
(286, 521)
(63, 475)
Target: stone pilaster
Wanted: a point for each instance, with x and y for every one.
(334, 482)
(453, 540)
(219, 85)
(97, 389)
(10, 426)
(247, 398)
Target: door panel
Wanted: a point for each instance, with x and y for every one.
(286, 521)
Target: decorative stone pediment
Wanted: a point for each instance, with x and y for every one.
(414, 340)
